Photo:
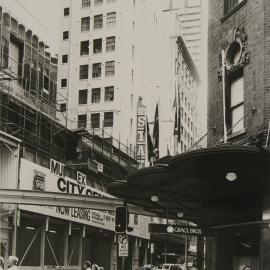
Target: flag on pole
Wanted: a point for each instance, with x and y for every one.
(177, 121)
(150, 148)
(156, 134)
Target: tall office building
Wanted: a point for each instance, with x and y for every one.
(96, 71)
(112, 52)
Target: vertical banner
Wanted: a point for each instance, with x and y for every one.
(141, 134)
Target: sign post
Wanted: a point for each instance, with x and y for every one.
(122, 245)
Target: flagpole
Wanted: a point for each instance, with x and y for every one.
(224, 95)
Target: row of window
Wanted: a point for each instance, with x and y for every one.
(95, 120)
(97, 70)
(98, 21)
(96, 95)
(87, 3)
(187, 104)
(97, 45)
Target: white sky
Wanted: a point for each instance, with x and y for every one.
(43, 18)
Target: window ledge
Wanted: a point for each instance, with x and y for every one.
(236, 134)
(231, 12)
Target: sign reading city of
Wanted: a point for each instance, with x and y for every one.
(176, 229)
(53, 179)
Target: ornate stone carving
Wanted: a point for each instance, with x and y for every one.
(236, 50)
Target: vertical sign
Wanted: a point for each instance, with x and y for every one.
(141, 134)
(123, 245)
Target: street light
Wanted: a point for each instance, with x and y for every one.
(180, 214)
(231, 176)
(154, 198)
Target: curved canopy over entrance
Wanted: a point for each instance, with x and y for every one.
(212, 187)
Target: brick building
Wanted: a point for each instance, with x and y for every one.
(242, 29)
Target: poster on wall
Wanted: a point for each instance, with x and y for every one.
(38, 178)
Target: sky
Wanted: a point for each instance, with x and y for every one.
(42, 17)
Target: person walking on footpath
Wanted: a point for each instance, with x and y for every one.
(194, 266)
(95, 267)
(12, 263)
(87, 265)
(1, 263)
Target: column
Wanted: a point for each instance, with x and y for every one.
(265, 238)
(135, 256)
(145, 259)
(42, 245)
(113, 255)
(200, 252)
(80, 251)
(211, 253)
(66, 236)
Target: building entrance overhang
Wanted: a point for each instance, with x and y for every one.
(212, 187)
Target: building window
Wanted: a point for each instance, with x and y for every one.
(98, 21)
(66, 11)
(96, 70)
(230, 4)
(111, 19)
(95, 95)
(95, 120)
(86, 3)
(98, 2)
(63, 83)
(194, 3)
(83, 72)
(136, 219)
(82, 121)
(84, 50)
(108, 119)
(83, 96)
(109, 93)
(97, 45)
(235, 115)
(85, 24)
(63, 107)
(110, 44)
(65, 35)
(64, 58)
(109, 68)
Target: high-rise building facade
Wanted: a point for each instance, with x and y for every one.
(112, 52)
(95, 70)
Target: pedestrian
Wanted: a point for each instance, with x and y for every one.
(1, 263)
(95, 267)
(87, 265)
(194, 266)
(12, 263)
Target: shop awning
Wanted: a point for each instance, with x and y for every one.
(211, 186)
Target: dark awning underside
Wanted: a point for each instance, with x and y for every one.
(195, 183)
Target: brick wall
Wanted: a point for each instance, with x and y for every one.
(254, 16)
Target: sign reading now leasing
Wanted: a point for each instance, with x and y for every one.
(175, 229)
(37, 178)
